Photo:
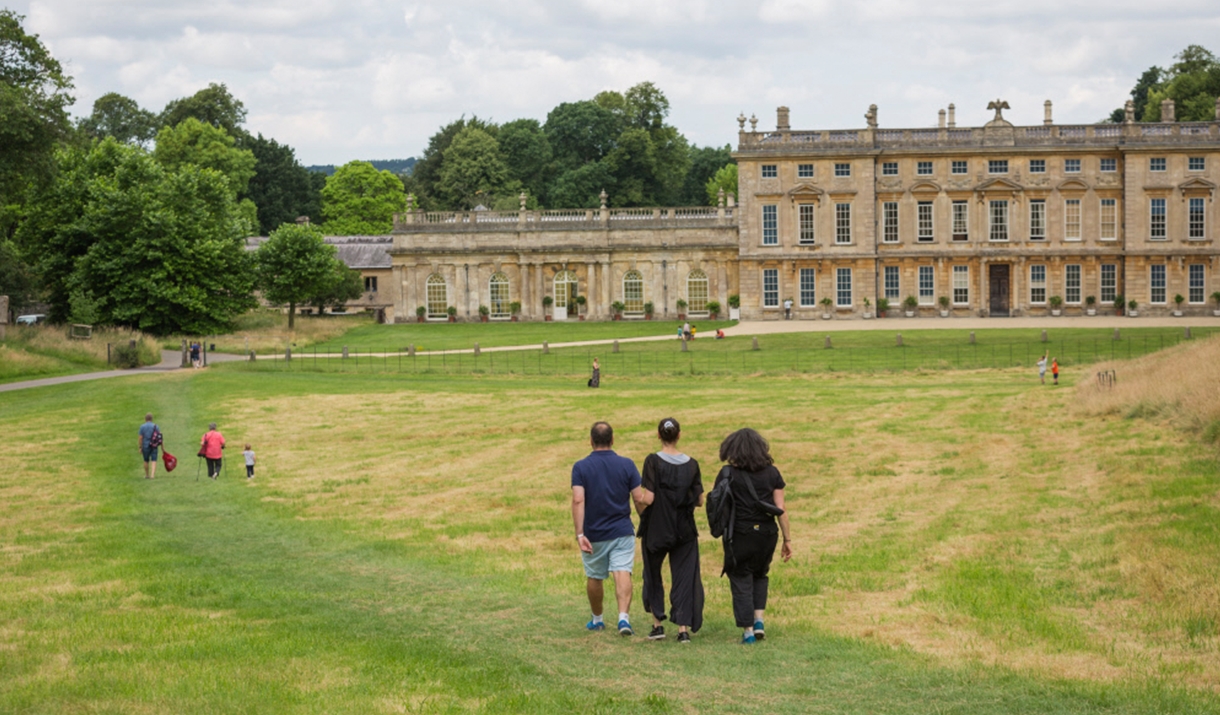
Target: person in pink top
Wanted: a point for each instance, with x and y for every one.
(212, 448)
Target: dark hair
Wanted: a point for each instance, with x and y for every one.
(746, 449)
(602, 434)
(669, 430)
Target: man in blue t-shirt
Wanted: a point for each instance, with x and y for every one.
(603, 488)
(148, 450)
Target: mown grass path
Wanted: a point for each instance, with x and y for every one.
(177, 595)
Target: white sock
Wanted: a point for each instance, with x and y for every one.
(749, 631)
(624, 617)
(597, 619)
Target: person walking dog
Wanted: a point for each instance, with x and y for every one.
(211, 448)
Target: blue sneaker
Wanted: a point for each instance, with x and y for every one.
(624, 629)
(759, 634)
(747, 639)
(596, 626)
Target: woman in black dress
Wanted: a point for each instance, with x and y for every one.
(673, 488)
(748, 456)
(596, 380)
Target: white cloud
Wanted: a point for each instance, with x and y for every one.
(366, 79)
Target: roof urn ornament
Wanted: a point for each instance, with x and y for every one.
(522, 198)
(871, 116)
(753, 123)
(1129, 112)
(603, 196)
(741, 122)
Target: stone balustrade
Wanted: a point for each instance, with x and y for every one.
(564, 219)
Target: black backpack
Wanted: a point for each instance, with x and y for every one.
(721, 507)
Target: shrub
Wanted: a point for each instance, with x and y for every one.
(127, 355)
(944, 302)
(648, 308)
(713, 306)
(734, 301)
(514, 307)
(484, 310)
(911, 302)
(421, 311)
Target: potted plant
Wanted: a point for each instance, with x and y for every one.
(648, 310)
(1131, 306)
(1056, 303)
(514, 308)
(1089, 301)
(883, 307)
(944, 306)
(867, 305)
(1178, 300)
(618, 307)
(421, 313)
(580, 306)
(910, 303)
(713, 309)
(484, 313)
(1216, 300)
(1119, 303)
(452, 311)
(546, 307)
(681, 309)
(734, 307)
(826, 303)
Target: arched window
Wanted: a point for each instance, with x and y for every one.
(498, 293)
(696, 292)
(565, 290)
(438, 296)
(633, 292)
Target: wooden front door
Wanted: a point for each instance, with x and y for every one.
(997, 279)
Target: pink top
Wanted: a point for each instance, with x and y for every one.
(213, 442)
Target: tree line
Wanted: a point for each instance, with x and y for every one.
(1192, 82)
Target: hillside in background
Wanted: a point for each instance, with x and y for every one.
(401, 167)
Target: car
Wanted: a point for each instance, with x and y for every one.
(32, 319)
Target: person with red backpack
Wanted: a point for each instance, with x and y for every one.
(150, 440)
(211, 448)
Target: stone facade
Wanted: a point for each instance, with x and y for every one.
(993, 220)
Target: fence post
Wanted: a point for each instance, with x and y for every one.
(411, 350)
(827, 341)
(1044, 336)
(684, 345)
(754, 343)
(1116, 337)
(900, 345)
(344, 352)
(1187, 332)
(288, 354)
(546, 348)
(972, 337)
(476, 350)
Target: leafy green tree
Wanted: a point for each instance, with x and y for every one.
(17, 279)
(581, 187)
(203, 145)
(159, 248)
(296, 266)
(473, 171)
(359, 200)
(122, 118)
(1193, 83)
(345, 284)
(527, 155)
(725, 178)
(580, 133)
(34, 99)
(281, 188)
(704, 163)
(212, 105)
(426, 173)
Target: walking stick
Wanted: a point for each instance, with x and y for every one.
(198, 464)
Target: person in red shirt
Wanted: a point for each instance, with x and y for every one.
(212, 448)
(1055, 370)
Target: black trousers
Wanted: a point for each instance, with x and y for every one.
(213, 467)
(686, 585)
(747, 570)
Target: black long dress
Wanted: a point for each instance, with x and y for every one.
(667, 528)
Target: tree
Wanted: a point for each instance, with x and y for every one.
(281, 188)
(726, 179)
(580, 133)
(122, 118)
(473, 171)
(203, 145)
(705, 162)
(158, 248)
(16, 277)
(211, 105)
(34, 98)
(426, 172)
(1193, 83)
(345, 284)
(581, 187)
(527, 155)
(359, 200)
(295, 266)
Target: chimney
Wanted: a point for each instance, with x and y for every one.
(952, 112)
(1167, 111)
(1046, 113)
(941, 120)
(781, 120)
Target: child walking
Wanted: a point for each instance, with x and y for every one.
(249, 455)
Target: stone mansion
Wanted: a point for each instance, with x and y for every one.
(995, 220)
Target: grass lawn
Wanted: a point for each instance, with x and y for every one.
(967, 542)
(463, 336)
(32, 352)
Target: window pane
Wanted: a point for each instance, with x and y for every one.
(1071, 220)
(1196, 218)
(1037, 220)
(805, 219)
(842, 223)
(1157, 284)
(804, 171)
(889, 219)
(842, 169)
(997, 166)
(925, 220)
(961, 285)
(1071, 166)
(770, 224)
(999, 221)
(889, 168)
(1109, 219)
(770, 288)
(696, 291)
(1071, 284)
(927, 286)
(498, 294)
(959, 166)
(843, 287)
(924, 168)
(1197, 283)
(1156, 228)
(1037, 166)
(808, 282)
(1196, 163)
(891, 282)
(1037, 284)
(437, 296)
(1109, 282)
(1109, 165)
(769, 171)
(961, 220)
(1156, 163)
(633, 292)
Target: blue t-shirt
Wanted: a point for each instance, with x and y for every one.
(608, 480)
(146, 431)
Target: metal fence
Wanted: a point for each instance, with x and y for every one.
(708, 358)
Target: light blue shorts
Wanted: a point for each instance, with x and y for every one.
(613, 555)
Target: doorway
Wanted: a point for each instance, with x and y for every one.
(998, 280)
(565, 294)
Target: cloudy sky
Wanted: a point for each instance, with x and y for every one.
(367, 79)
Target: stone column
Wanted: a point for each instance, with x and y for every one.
(540, 288)
(591, 289)
(398, 293)
(609, 290)
(527, 298)
(722, 288)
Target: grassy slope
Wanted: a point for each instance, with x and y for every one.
(399, 573)
(46, 351)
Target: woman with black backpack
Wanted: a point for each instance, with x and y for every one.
(756, 492)
(672, 488)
